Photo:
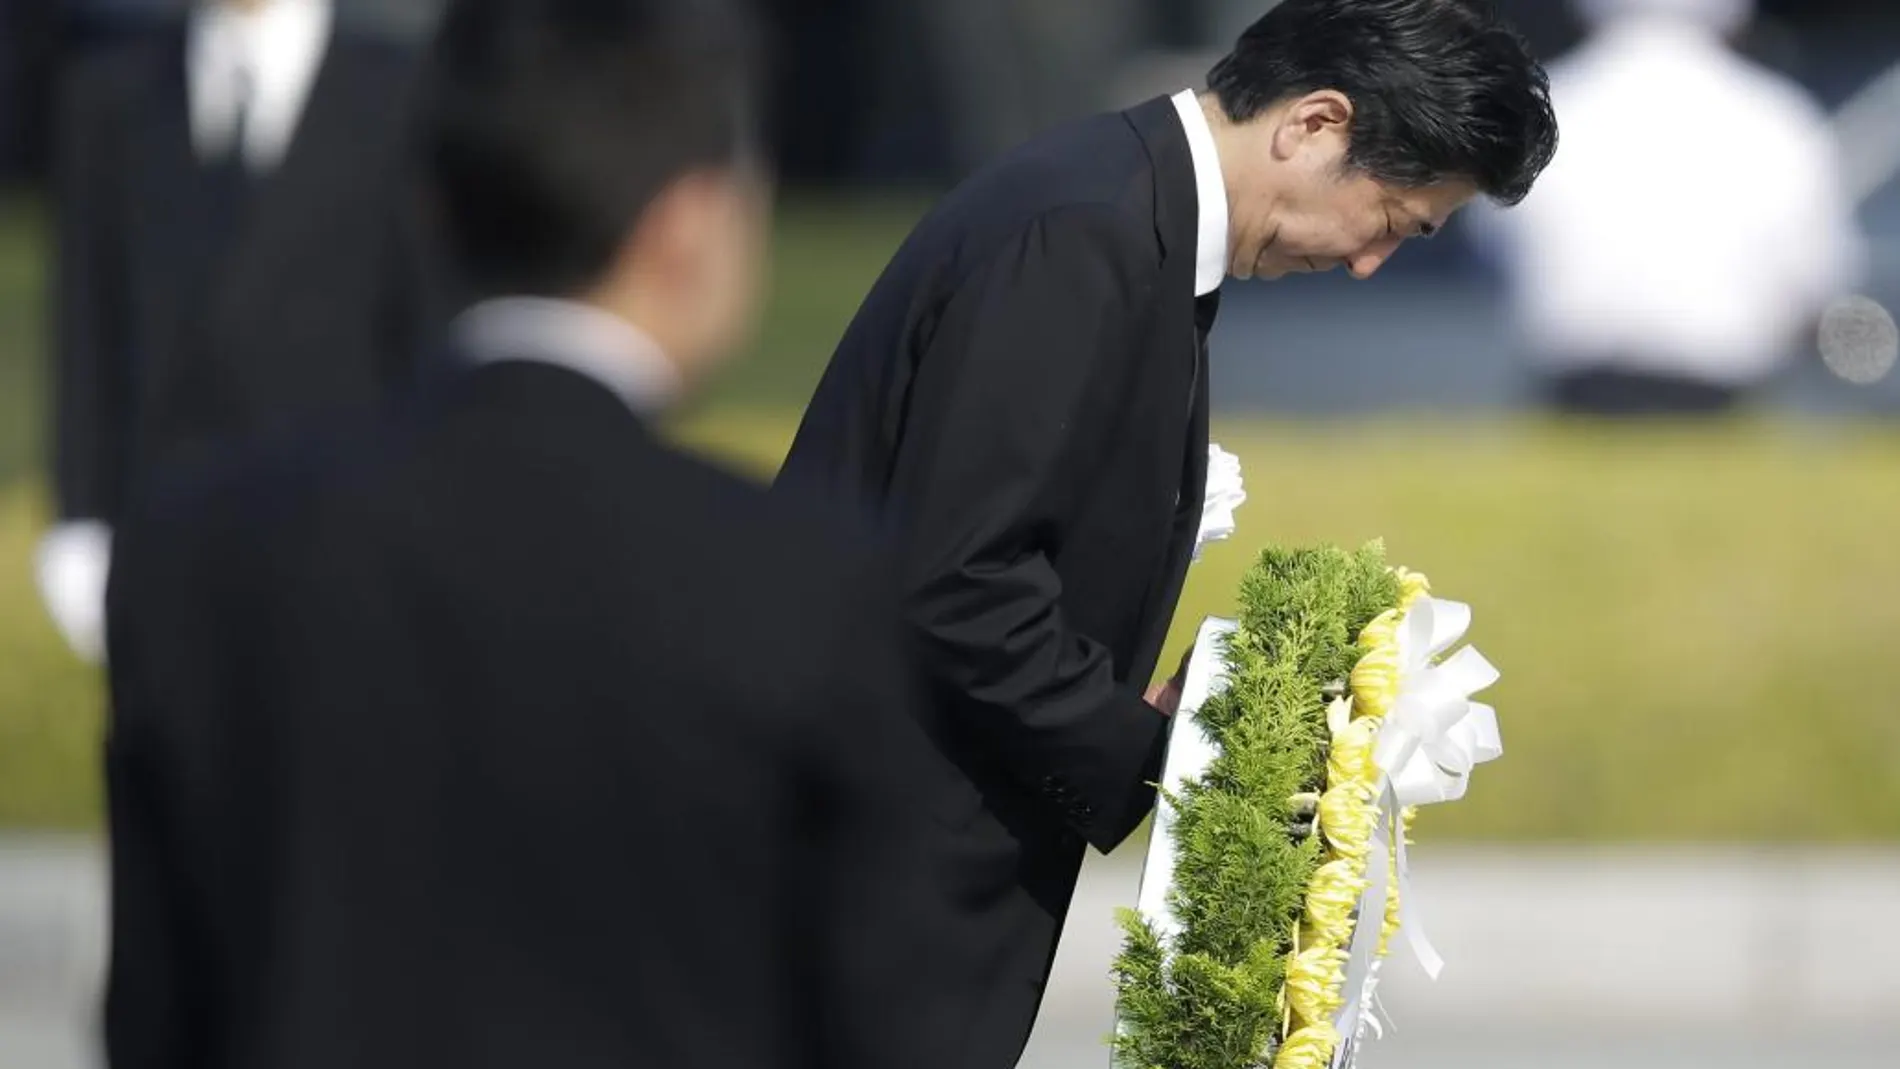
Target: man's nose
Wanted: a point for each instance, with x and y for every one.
(1367, 261)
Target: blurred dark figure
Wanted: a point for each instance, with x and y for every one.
(497, 732)
(1024, 395)
(29, 43)
(237, 255)
(1674, 267)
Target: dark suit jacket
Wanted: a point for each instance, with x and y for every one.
(184, 314)
(1023, 395)
(504, 736)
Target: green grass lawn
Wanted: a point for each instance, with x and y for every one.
(1695, 625)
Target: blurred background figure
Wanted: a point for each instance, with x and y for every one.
(235, 250)
(1694, 225)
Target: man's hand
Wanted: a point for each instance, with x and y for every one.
(1166, 697)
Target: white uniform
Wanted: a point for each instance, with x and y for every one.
(1693, 223)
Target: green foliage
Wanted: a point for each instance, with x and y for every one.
(1209, 998)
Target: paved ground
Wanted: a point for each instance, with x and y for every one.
(1624, 959)
(1559, 959)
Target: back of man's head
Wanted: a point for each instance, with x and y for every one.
(551, 127)
(1440, 89)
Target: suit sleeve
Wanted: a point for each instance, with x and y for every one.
(1013, 394)
(156, 1010)
(90, 374)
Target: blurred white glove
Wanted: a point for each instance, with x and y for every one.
(71, 565)
(1225, 493)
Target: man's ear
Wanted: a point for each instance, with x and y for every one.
(675, 223)
(1321, 113)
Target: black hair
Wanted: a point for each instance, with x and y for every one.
(549, 126)
(1440, 89)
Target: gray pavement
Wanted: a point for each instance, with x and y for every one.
(1567, 957)
(1558, 957)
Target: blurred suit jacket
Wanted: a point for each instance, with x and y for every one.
(503, 735)
(194, 305)
(1023, 396)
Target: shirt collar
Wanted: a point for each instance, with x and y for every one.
(1210, 261)
(273, 52)
(579, 337)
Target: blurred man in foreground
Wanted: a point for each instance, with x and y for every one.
(501, 734)
(1682, 246)
(236, 256)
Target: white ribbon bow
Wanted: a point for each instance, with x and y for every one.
(1435, 734)
(1427, 746)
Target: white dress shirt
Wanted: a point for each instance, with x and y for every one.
(268, 56)
(1225, 490)
(579, 337)
(1699, 240)
(1211, 249)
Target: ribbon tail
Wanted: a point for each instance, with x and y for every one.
(1362, 959)
(1410, 923)
(1387, 869)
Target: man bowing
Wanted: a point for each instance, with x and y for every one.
(1023, 396)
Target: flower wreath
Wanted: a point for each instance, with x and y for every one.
(1327, 713)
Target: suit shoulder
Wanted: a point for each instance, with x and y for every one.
(245, 493)
(1088, 185)
(1098, 164)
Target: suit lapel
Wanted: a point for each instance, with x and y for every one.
(1177, 224)
(1166, 593)
(1177, 205)
(279, 196)
(167, 147)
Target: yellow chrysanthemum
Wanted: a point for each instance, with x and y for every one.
(1382, 631)
(1347, 817)
(1314, 979)
(1330, 897)
(1412, 586)
(1308, 1048)
(1350, 758)
(1390, 927)
(1375, 680)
